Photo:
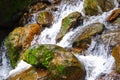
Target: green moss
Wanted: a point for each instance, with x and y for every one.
(38, 57)
(91, 7)
(13, 52)
(69, 22)
(41, 17)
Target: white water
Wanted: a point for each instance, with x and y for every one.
(97, 60)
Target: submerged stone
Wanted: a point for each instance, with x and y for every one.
(19, 39)
(73, 20)
(61, 64)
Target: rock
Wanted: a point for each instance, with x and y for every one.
(111, 76)
(70, 21)
(45, 18)
(30, 74)
(38, 6)
(113, 16)
(94, 7)
(85, 38)
(116, 55)
(61, 64)
(111, 37)
(19, 39)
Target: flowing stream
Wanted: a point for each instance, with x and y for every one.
(98, 59)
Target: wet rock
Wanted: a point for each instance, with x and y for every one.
(19, 39)
(45, 18)
(71, 21)
(30, 74)
(94, 7)
(85, 38)
(113, 16)
(61, 64)
(111, 37)
(116, 55)
(111, 76)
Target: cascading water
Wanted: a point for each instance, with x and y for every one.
(97, 59)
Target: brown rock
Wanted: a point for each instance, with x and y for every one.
(116, 55)
(114, 15)
(45, 18)
(85, 38)
(19, 39)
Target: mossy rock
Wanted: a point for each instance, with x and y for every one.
(72, 20)
(85, 38)
(45, 18)
(59, 62)
(19, 39)
(95, 7)
(111, 37)
(116, 55)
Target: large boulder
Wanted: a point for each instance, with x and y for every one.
(116, 55)
(19, 39)
(70, 21)
(94, 7)
(61, 64)
(111, 37)
(30, 74)
(85, 38)
(45, 18)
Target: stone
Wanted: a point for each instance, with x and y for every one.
(95, 7)
(72, 20)
(111, 37)
(116, 55)
(61, 64)
(19, 39)
(114, 15)
(45, 18)
(85, 38)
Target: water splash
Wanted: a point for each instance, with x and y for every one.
(5, 65)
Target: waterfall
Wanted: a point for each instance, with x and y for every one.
(98, 59)
(5, 64)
